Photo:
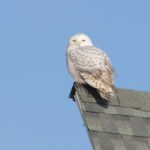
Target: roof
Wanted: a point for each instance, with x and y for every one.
(122, 124)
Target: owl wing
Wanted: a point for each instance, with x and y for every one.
(95, 68)
(94, 61)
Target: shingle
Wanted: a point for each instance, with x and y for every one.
(139, 127)
(132, 112)
(110, 110)
(136, 143)
(139, 113)
(92, 121)
(95, 140)
(124, 111)
(141, 143)
(147, 125)
(128, 98)
(145, 101)
(117, 142)
(105, 141)
(129, 143)
(148, 114)
(108, 141)
(148, 140)
(134, 99)
(93, 107)
(117, 124)
(123, 125)
(107, 123)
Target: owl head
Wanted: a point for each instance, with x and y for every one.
(80, 40)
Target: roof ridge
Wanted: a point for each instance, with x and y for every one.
(121, 134)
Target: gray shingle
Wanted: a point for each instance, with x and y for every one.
(92, 121)
(129, 142)
(128, 98)
(116, 124)
(95, 140)
(145, 101)
(107, 123)
(93, 107)
(105, 141)
(123, 125)
(136, 143)
(134, 99)
(139, 113)
(117, 141)
(147, 124)
(141, 143)
(148, 140)
(108, 141)
(148, 114)
(110, 110)
(139, 127)
(125, 111)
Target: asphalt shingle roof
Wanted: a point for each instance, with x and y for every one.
(122, 124)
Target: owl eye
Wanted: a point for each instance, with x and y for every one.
(83, 40)
(74, 40)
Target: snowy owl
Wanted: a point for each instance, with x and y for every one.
(90, 65)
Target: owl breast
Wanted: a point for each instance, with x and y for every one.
(73, 71)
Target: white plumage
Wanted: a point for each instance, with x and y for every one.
(90, 65)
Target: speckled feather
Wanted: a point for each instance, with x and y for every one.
(90, 65)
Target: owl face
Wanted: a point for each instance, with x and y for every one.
(80, 40)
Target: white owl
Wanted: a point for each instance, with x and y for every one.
(90, 65)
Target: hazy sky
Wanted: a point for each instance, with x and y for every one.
(35, 112)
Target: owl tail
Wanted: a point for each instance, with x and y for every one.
(107, 92)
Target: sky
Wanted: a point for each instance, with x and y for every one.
(35, 111)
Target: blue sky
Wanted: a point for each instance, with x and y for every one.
(35, 112)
